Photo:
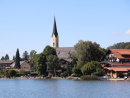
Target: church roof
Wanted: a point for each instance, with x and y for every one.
(55, 28)
(64, 52)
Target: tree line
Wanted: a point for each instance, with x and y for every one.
(85, 60)
(121, 45)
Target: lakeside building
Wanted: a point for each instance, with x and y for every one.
(116, 62)
(23, 65)
(8, 64)
(63, 53)
(5, 64)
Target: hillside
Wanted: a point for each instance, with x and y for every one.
(121, 45)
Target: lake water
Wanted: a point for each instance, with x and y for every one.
(62, 88)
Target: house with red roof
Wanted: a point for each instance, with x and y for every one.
(116, 62)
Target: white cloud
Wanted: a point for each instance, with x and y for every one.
(7, 51)
(128, 32)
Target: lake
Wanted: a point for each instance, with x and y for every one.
(63, 88)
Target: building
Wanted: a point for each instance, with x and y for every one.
(55, 37)
(116, 62)
(63, 53)
(5, 64)
(23, 65)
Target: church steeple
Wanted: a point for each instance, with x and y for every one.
(55, 38)
(55, 28)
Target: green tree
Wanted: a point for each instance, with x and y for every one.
(6, 73)
(127, 47)
(13, 57)
(25, 56)
(90, 67)
(45, 61)
(86, 51)
(69, 70)
(40, 64)
(32, 54)
(49, 51)
(17, 60)
(120, 45)
(3, 58)
(52, 63)
(12, 73)
(6, 57)
(99, 72)
(9, 73)
(77, 71)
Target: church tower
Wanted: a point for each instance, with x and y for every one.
(55, 37)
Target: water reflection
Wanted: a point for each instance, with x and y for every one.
(62, 88)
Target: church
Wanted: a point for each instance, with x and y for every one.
(63, 53)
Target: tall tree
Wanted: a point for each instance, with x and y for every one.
(32, 53)
(52, 60)
(25, 56)
(2, 58)
(17, 59)
(6, 57)
(87, 51)
(13, 57)
(48, 50)
(68, 69)
(40, 63)
(31, 57)
(45, 61)
(52, 63)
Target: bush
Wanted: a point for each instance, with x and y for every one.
(90, 67)
(12, 73)
(87, 77)
(75, 75)
(77, 71)
(23, 72)
(63, 75)
(95, 74)
(9, 73)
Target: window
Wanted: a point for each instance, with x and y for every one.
(53, 44)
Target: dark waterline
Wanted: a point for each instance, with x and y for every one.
(62, 88)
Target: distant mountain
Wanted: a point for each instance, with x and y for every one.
(121, 45)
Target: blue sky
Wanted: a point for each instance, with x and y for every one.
(28, 24)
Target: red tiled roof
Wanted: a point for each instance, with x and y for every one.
(120, 52)
(116, 63)
(118, 68)
(59, 70)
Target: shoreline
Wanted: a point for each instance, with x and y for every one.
(72, 78)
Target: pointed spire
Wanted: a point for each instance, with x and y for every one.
(55, 28)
